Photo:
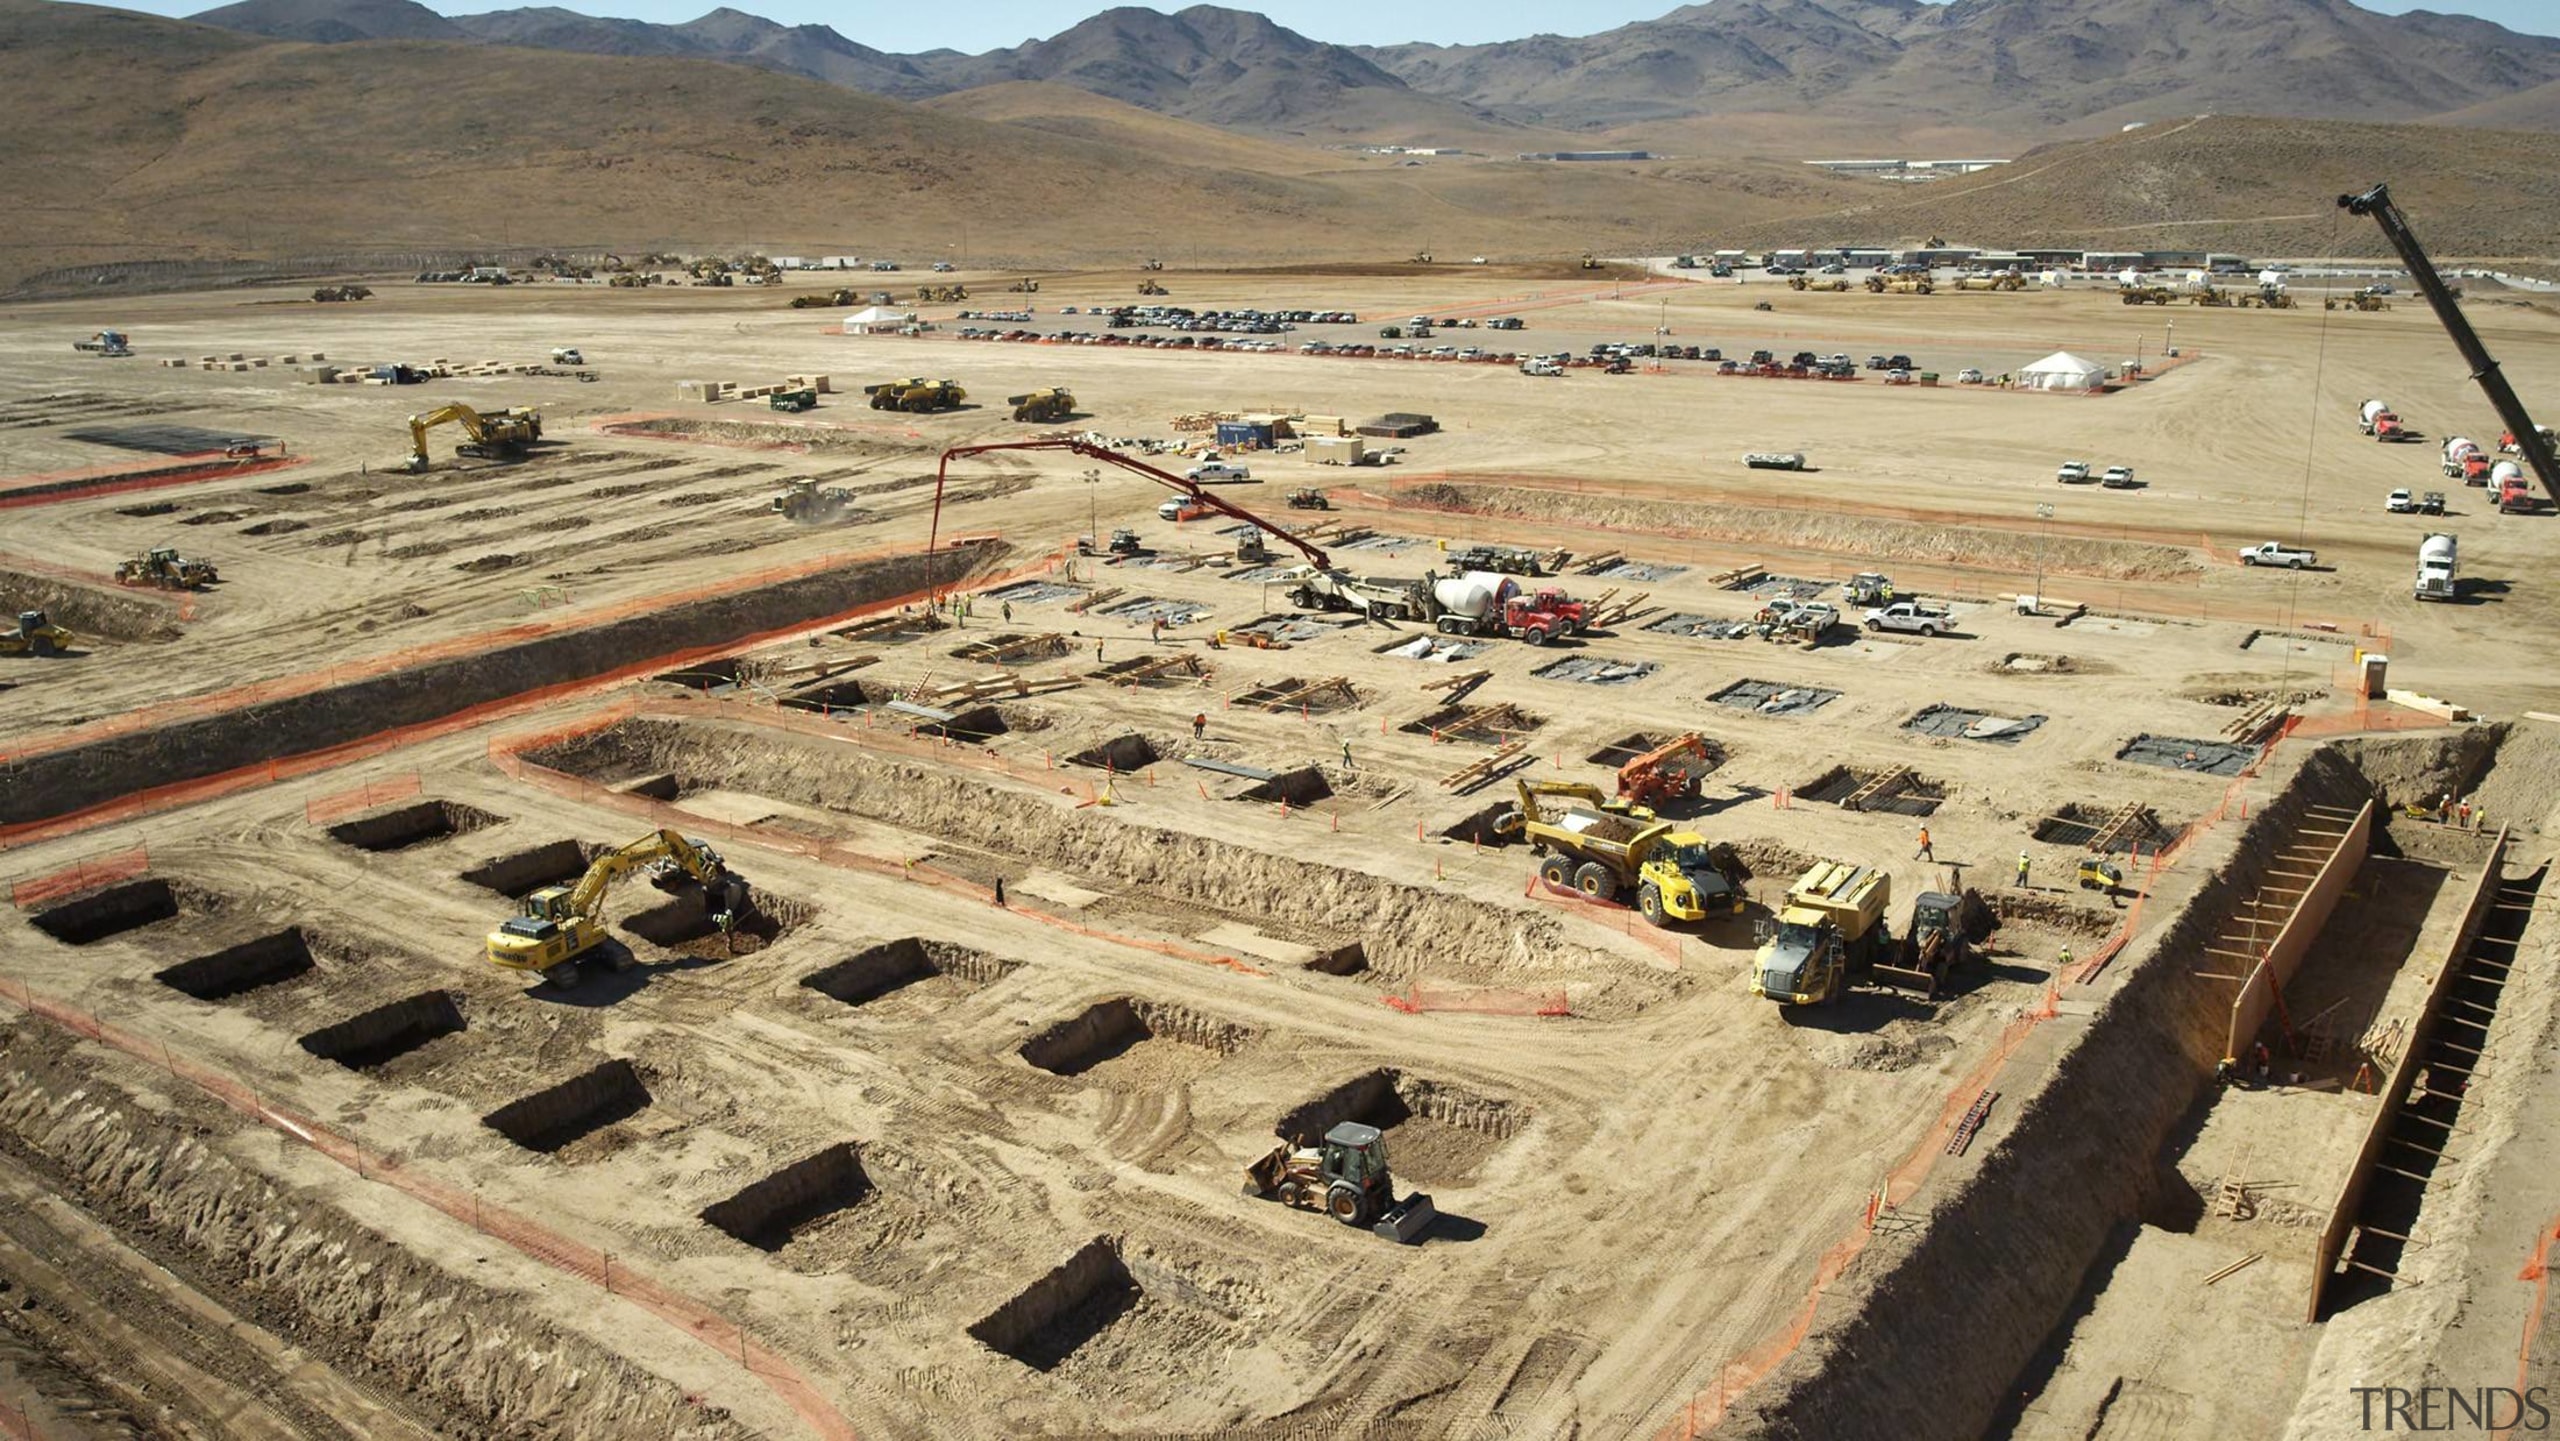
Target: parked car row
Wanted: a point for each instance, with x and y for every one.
(2114, 477)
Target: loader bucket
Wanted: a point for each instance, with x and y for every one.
(1406, 1222)
(1263, 1176)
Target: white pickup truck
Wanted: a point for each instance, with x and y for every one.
(1774, 460)
(2073, 472)
(1911, 616)
(2276, 552)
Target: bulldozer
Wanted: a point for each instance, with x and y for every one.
(1309, 498)
(918, 395)
(1346, 1178)
(1661, 774)
(1902, 285)
(1603, 847)
(560, 925)
(493, 435)
(1946, 931)
(328, 293)
(35, 635)
(802, 500)
(1043, 407)
(2148, 295)
(1149, 287)
(164, 569)
(805, 398)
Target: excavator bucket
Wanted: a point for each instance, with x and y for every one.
(1406, 1221)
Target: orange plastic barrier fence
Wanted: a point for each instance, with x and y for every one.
(522, 1232)
(116, 480)
(320, 810)
(2537, 1269)
(80, 876)
(14, 1424)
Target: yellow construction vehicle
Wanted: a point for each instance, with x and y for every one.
(1902, 285)
(1604, 846)
(498, 435)
(802, 500)
(1997, 280)
(941, 294)
(35, 635)
(1024, 287)
(1829, 935)
(1346, 1178)
(917, 394)
(2361, 300)
(1831, 284)
(1946, 931)
(558, 925)
(2210, 296)
(1042, 406)
(1149, 287)
(163, 568)
(2148, 295)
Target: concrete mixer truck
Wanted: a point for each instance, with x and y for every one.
(1480, 602)
(2515, 494)
(2464, 462)
(2378, 421)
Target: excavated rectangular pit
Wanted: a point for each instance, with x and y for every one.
(1031, 592)
(1127, 752)
(1296, 695)
(893, 966)
(1058, 1314)
(556, 1116)
(2078, 825)
(1595, 670)
(683, 923)
(1108, 1030)
(235, 970)
(384, 1034)
(835, 695)
(1437, 1133)
(772, 1213)
(2027, 662)
(1436, 649)
(1774, 698)
(99, 915)
(2212, 758)
(1477, 828)
(978, 723)
(664, 787)
(1476, 724)
(1910, 794)
(1301, 787)
(1692, 626)
(521, 873)
(411, 825)
(704, 675)
(1766, 584)
(1954, 722)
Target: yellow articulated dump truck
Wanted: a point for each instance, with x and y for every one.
(1830, 934)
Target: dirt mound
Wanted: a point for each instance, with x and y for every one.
(1857, 535)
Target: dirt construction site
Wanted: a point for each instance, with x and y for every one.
(1080, 874)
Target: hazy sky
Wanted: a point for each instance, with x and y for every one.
(988, 24)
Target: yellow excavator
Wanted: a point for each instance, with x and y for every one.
(559, 925)
(497, 435)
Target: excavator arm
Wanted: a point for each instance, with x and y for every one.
(942, 474)
(420, 424)
(2377, 204)
(588, 895)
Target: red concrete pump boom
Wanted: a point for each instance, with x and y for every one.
(942, 474)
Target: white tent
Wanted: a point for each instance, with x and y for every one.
(877, 319)
(2062, 370)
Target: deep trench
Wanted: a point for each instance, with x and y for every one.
(1109, 1029)
(411, 825)
(556, 1116)
(769, 1214)
(85, 775)
(235, 970)
(1052, 1318)
(384, 1034)
(519, 874)
(892, 966)
(100, 915)
(1947, 1323)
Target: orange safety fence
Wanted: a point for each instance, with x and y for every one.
(518, 1230)
(1418, 998)
(1625, 919)
(320, 809)
(508, 755)
(15, 1425)
(61, 485)
(181, 793)
(98, 870)
(2537, 1269)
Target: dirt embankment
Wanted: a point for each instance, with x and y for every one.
(1940, 1320)
(346, 1294)
(68, 780)
(1408, 931)
(89, 613)
(1847, 533)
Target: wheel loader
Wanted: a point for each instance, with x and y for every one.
(802, 500)
(35, 635)
(1043, 407)
(1346, 1178)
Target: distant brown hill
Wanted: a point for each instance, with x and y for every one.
(139, 138)
(2245, 184)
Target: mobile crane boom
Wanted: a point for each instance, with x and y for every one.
(1192, 488)
(2484, 370)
